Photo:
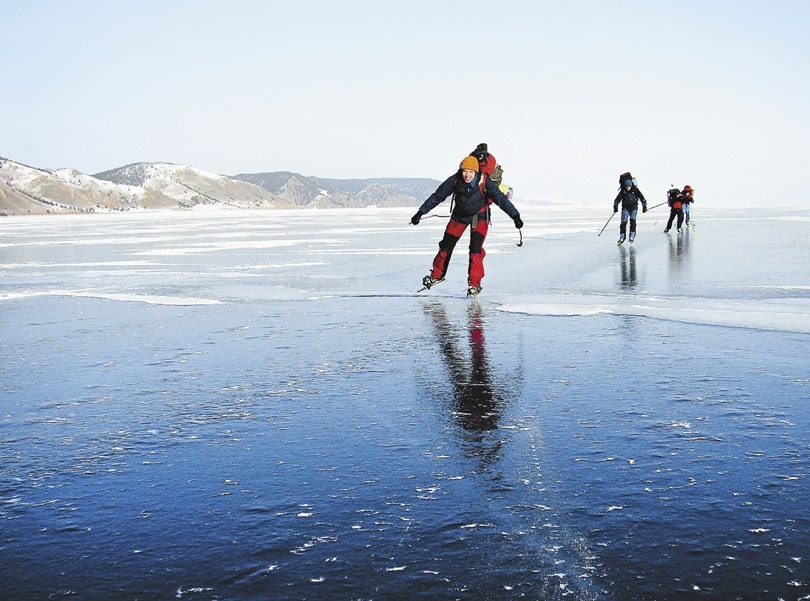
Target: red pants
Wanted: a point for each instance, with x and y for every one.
(452, 234)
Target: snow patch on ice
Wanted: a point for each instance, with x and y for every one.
(214, 247)
(790, 315)
(123, 297)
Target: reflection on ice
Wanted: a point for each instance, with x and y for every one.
(477, 399)
(629, 278)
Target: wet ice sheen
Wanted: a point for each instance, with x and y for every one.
(256, 405)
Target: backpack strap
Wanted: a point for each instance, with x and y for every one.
(483, 187)
(484, 192)
(453, 199)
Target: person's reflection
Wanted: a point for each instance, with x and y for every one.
(477, 404)
(628, 265)
(678, 251)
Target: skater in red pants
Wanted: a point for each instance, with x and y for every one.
(472, 194)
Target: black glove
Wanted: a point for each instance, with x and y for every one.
(416, 218)
(518, 222)
(644, 210)
(615, 209)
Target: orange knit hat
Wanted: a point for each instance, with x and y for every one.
(469, 162)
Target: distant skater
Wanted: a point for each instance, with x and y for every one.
(675, 202)
(629, 197)
(472, 193)
(688, 199)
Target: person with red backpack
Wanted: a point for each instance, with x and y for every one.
(675, 201)
(472, 194)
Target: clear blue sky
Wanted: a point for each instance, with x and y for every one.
(567, 94)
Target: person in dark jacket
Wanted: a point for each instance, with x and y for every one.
(688, 199)
(472, 192)
(629, 196)
(675, 201)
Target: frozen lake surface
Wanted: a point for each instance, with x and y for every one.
(257, 405)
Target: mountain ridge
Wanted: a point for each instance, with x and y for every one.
(26, 190)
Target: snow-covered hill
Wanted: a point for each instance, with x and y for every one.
(26, 190)
(309, 191)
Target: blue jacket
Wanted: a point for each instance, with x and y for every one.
(468, 200)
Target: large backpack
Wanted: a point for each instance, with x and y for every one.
(488, 164)
(624, 177)
(490, 168)
(674, 198)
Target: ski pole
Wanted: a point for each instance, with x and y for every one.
(520, 231)
(606, 223)
(658, 205)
